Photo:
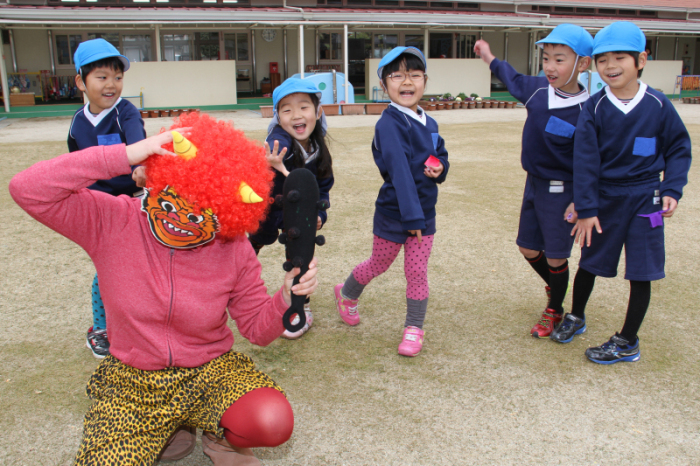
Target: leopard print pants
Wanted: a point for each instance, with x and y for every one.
(134, 412)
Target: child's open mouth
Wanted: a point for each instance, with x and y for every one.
(552, 78)
(614, 75)
(407, 93)
(300, 128)
(109, 96)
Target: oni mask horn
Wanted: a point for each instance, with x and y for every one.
(185, 149)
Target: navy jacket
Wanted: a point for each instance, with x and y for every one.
(620, 144)
(121, 125)
(274, 217)
(548, 134)
(400, 147)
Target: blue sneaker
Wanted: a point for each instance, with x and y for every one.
(614, 350)
(570, 326)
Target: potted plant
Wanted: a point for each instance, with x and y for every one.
(479, 101)
(353, 109)
(145, 114)
(377, 108)
(266, 111)
(448, 100)
(331, 109)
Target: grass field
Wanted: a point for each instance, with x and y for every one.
(482, 392)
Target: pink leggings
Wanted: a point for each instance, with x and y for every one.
(415, 264)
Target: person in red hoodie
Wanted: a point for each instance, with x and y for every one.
(170, 266)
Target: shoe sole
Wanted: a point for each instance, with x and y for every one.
(578, 332)
(633, 358)
(97, 356)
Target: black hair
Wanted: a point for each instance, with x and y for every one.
(634, 55)
(410, 61)
(324, 163)
(110, 62)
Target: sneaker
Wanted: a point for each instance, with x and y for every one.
(412, 341)
(548, 321)
(569, 326)
(614, 350)
(309, 321)
(347, 308)
(98, 343)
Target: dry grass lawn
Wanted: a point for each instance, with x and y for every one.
(482, 391)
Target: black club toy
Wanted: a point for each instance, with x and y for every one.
(300, 203)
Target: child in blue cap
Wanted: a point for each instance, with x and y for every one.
(412, 160)
(553, 104)
(296, 139)
(626, 135)
(105, 120)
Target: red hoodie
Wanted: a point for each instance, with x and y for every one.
(165, 307)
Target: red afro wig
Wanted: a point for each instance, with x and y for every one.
(211, 180)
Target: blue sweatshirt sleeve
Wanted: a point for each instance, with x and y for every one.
(132, 124)
(390, 140)
(324, 189)
(442, 155)
(676, 148)
(519, 85)
(586, 163)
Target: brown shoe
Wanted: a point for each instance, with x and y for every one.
(180, 444)
(223, 454)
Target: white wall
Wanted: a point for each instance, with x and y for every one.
(661, 74)
(457, 75)
(183, 83)
(266, 52)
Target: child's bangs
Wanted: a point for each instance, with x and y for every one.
(410, 61)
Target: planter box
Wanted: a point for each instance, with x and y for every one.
(377, 109)
(266, 111)
(353, 109)
(331, 109)
(432, 107)
(145, 114)
(154, 113)
(449, 105)
(440, 106)
(479, 104)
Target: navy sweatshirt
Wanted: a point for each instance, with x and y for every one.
(621, 144)
(400, 147)
(548, 134)
(324, 184)
(122, 124)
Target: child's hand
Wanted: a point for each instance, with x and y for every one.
(319, 223)
(275, 158)
(482, 49)
(137, 152)
(139, 176)
(306, 286)
(417, 234)
(434, 172)
(584, 230)
(571, 215)
(670, 205)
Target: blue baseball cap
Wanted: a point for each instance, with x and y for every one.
(293, 86)
(94, 50)
(577, 38)
(394, 54)
(620, 36)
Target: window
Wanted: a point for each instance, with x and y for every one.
(176, 47)
(383, 43)
(465, 45)
(359, 45)
(627, 12)
(111, 37)
(414, 40)
(329, 45)
(440, 45)
(66, 45)
(563, 9)
(137, 48)
(585, 11)
(206, 45)
(442, 4)
(236, 46)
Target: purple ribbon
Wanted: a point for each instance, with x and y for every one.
(656, 219)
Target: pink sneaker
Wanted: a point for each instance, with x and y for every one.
(412, 342)
(347, 308)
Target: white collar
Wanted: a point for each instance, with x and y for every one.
(416, 116)
(633, 103)
(96, 119)
(559, 102)
(308, 156)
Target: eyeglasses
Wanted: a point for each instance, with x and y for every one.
(400, 77)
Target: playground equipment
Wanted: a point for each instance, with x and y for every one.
(592, 77)
(332, 86)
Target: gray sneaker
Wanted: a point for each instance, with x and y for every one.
(570, 325)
